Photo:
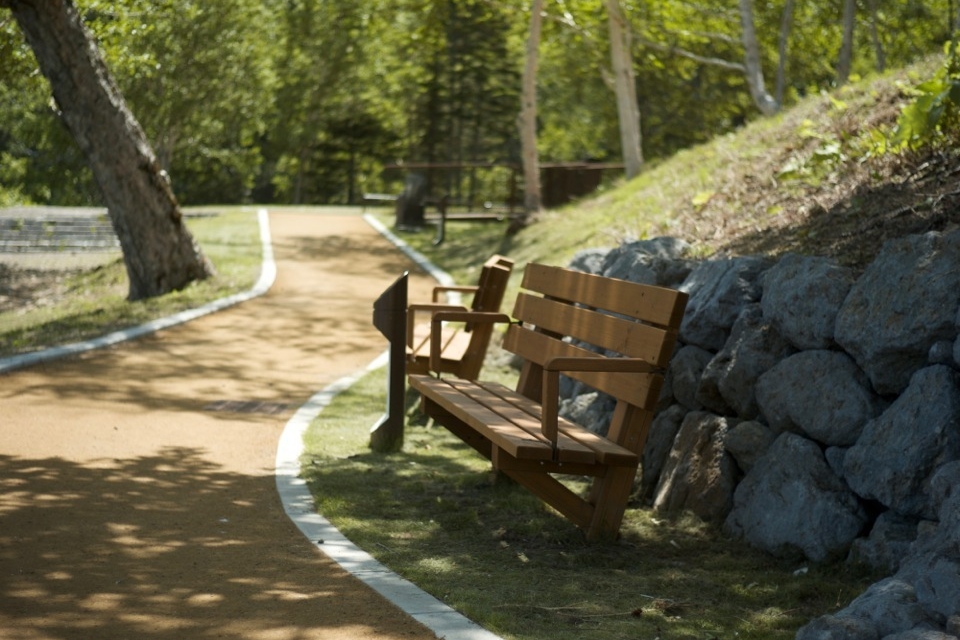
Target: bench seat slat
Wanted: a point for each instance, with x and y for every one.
(525, 415)
(517, 442)
(606, 452)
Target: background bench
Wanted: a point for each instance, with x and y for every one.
(634, 326)
(463, 347)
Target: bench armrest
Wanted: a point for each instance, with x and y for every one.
(550, 402)
(453, 288)
(425, 307)
(474, 317)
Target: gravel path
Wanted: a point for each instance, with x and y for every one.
(137, 496)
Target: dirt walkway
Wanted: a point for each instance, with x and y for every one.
(137, 496)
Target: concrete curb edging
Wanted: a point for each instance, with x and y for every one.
(421, 261)
(298, 503)
(268, 274)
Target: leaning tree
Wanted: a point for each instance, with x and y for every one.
(159, 253)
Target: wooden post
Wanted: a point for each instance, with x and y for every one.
(390, 318)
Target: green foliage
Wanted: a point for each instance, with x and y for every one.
(933, 117)
(307, 100)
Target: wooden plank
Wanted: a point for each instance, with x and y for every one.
(606, 451)
(553, 492)
(505, 403)
(657, 305)
(639, 389)
(624, 336)
(518, 443)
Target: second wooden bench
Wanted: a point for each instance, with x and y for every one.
(462, 346)
(612, 335)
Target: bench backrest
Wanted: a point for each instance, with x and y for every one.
(491, 287)
(492, 284)
(598, 316)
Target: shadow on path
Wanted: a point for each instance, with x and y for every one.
(137, 494)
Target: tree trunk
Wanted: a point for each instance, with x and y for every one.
(765, 102)
(878, 52)
(158, 250)
(527, 122)
(628, 110)
(846, 46)
(786, 27)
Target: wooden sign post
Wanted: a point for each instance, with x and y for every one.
(390, 318)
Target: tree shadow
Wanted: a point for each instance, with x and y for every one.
(166, 546)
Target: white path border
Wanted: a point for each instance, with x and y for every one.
(298, 502)
(268, 274)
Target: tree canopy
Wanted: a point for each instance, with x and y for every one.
(307, 100)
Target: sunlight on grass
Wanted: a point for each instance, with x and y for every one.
(95, 299)
(436, 514)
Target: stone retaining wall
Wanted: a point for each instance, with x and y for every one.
(815, 413)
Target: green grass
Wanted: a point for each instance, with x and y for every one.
(436, 515)
(95, 302)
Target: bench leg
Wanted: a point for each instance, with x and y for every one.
(553, 492)
(609, 496)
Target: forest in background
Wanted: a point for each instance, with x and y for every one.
(306, 101)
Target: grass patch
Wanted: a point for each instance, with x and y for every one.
(434, 514)
(93, 302)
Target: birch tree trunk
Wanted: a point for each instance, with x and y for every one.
(786, 27)
(878, 52)
(527, 121)
(159, 253)
(754, 72)
(628, 111)
(845, 62)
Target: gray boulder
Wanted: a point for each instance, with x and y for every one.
(747, 442)
(657, 261)
(897, 453)
(887, 607)
(792, 504)
(802, 296)
(719, 290)
(698, 475)
(685, 372)
(589, 410)
(941, 353)
(906, 301)
(921, 634)
(663, 431)
(888, 543)
(589, 260)
(730, 378)
(821, 394)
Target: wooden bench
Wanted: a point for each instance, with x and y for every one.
(462, 347)
(378, 198)
(490, 213)
(615, 336)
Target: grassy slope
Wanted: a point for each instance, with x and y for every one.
(92, 302)
(431, 511)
